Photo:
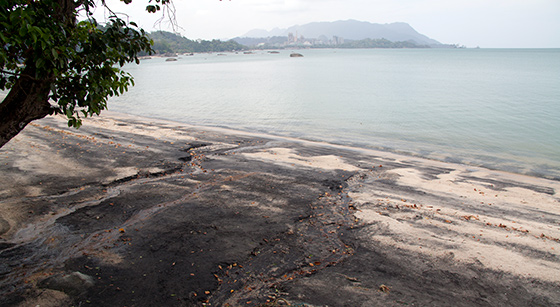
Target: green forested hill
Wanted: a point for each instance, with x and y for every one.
(167, 42)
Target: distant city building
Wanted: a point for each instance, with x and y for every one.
(291, 38)
(294, 39)
(337, 40)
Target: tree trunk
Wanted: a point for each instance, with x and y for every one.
(26, 101)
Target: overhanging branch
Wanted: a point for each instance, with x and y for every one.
(18, 75)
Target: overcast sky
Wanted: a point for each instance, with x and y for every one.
(484, 23)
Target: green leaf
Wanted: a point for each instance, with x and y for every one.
(82, 59)
(40, 63)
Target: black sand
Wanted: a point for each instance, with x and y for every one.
(161, 214)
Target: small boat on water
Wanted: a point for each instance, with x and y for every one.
(296, 55)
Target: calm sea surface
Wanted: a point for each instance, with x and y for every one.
(498, 108)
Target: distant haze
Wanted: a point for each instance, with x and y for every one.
(484, 23)
(351, 29)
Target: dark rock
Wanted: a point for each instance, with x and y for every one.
(4, 226)
(72, 284)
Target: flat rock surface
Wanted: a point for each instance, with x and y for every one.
(166, 214)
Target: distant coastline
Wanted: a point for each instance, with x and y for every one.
(341, 34)
(347, 34)
(167, 43)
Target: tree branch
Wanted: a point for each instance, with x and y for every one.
(18, 75)
(169, 9)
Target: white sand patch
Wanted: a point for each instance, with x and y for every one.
(290, 157)
(472, 189)
(494, 248)
(458, 213)
(48, 165)
(33, 156)
(163, 132)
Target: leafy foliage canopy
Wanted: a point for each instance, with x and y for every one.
(167, 42)
(80, 59)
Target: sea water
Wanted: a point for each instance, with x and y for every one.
(497, 108)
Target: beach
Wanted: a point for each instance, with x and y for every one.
(134, 211)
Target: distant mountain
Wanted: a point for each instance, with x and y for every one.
(350, 30)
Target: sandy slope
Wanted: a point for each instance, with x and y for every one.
(166, 213)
